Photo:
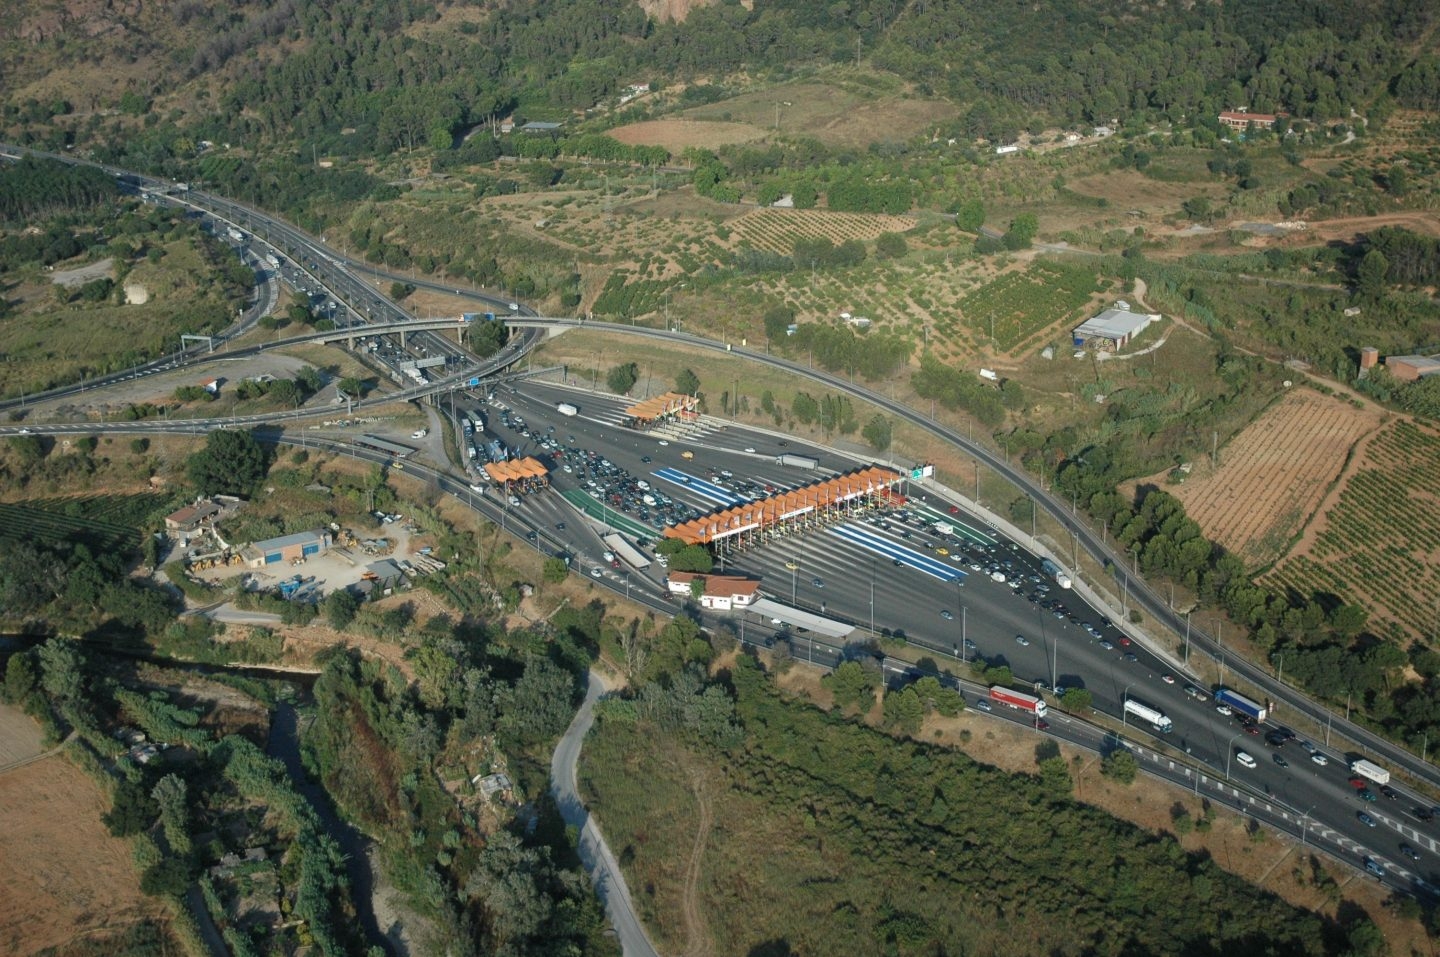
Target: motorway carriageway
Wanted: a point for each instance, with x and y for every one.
(935, 515)
(868, 540)
(699, 486)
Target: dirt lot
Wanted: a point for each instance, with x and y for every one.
(677, 135)
(65, 876)
(1276, 862)
(19, 737)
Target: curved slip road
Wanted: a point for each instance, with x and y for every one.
(595, 854)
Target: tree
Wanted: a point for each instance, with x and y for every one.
(1370, 276)
(904, 711)
(622, 378)
(891, 245)
(852, 686)
(877, 433)
(341, 607)
(29, 448)
(777, 321)
(1022, 231)
(970, 215)
(687, 382)
(692, 558)
(232, 462)
(1120, 765)
(1076, 700)
(170, 796)
(555, 570)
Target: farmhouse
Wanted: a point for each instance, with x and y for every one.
(1241, 119)
(721, 592)
(189, 518)
(1410, 368)
(286, 548)
(1113, 328)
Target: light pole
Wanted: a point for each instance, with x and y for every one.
(1303, 819)
(1124, 699)
(1187, 639)
(1230, 752)
(872, 597)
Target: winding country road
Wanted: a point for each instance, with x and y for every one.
(595, 854)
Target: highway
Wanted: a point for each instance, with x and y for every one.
(836, 571)
(1141, 594)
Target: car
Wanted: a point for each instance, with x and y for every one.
(942, 551)
(1424, 813)
(1197, 693)
(1104, 644)
(1168, 679)
(1244, 758)
(970, 645)
(983, 705)
(945, 613)
(645, 459)
(1252, 729)
(818, 582)
(477, 489)
(897, 562)
(1130, 656)
(792, 565)
(1022, 641)
(1358, 782)
(663, 442)
(559, 526)
(1410, 852)
(1279, 759)
(530, 536)
(1124, 642)
(24, 431)
(1224, 709)
(1319, 759)
(1365, 794)
(595, 571)
(1042, 725)
(954, 509)
(1364, 818)
(1374, 867)
(514, 307)
(1275, 739)
(1390, 793)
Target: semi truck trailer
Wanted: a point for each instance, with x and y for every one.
(1018, 699)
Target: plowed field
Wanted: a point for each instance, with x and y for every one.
(1273, 475)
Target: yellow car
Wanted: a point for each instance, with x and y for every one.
(942, 551)
(792, 565)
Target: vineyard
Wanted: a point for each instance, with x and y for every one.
(1380, 542)
(775, 230)
(1020, 306)
(1273, 475)
(100, 522)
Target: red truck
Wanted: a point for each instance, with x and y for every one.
(1018, 699)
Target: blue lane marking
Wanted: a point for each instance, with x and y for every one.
(906, 556)
(699, 486)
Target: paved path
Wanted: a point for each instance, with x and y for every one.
(595, 854)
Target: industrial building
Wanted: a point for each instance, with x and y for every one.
(518, 475)
(662, 408)
(286, 548)
(1411, 368)
(1113, 328)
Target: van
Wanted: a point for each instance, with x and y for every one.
(687, 454)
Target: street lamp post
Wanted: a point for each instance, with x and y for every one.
(1124, 714)
(1230, 752)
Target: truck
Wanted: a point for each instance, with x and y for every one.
(1144, 712)
(235, 234)
(273, 260)
(632, 556)
(1242, 704)
(944, 528)
(495, 450)
(565, 408)
(1055, 572)
(1368, 769)
(1018, 699)
(798, 461)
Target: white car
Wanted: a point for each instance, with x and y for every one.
(1244, 758)
(1319, 759)
(514, 307)
(1224, 709)
(477, 489)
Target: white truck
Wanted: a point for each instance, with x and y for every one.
(944, 528)
(565, 408)
(1055, 572)
(1157, 719)
(1368, 769)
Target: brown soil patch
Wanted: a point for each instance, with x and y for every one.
(20, 738)
(677, 135)
(65, 876)
(1129, 189)
(1273, 475)
(1424, 222)
(777, 229)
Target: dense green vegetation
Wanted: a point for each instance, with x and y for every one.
(388, 751)
(879, 845)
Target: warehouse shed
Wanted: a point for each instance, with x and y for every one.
(286, 548)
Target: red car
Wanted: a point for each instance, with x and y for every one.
(1252, 729)
(1124, 642)
(954, 509)
(1358, 782)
